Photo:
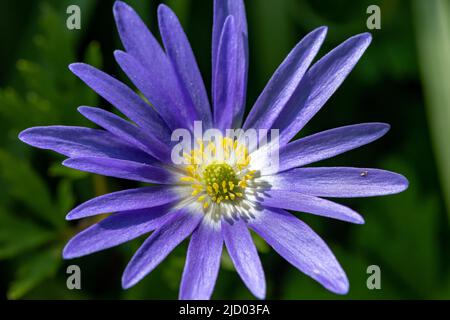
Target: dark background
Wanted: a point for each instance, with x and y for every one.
(403, 79)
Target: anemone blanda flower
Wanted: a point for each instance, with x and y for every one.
(216, 203)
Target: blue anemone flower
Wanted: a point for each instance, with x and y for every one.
(215, 203)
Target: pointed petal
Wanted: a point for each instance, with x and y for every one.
(160, 88)
(115, 230)
(182, 58)
(132, 199)
(284, 81)
(222, 10)
(202, 263)
(82, 142)
(302, 247)
(339, 182)
(123, 169)
(124, 99)
(320, 146)
(147, 65)
(226, 77)
(127, 132)
(310, 204)
(319, 84)
(159, 245)
(245, 258)
(137, 38)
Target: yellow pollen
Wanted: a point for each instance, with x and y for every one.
(217, 172)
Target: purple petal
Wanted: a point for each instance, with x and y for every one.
(82, 142)
(284, 81)
(127, 132)
(339, 182)
(302, 247)
(124, 99)
(182, 58)
(116, 229)
(222, 10)
(147, 65)
(310, 204)
(326, 144)
(226, 77)
(245, 258)
(122, 169)
(160, 88)
(132, 199)
(159, 245)
(202, 263)
(318, 84)
(137, 38)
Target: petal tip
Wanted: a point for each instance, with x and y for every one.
(164, 9)
(366, 37)
(127, 282)
(67, 254)
(323, 30)
(26, 135)
(76, 67)
(119, 5)
(359, 220)
(72, 215)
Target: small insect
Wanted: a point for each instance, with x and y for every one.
(364, 173)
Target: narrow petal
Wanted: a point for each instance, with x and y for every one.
(127, 132)
(132, 199)
(322, 145)
(115, 230)
(159, 245)
(284, 81)
(202, 263)
(182, 58)
(82, 142)
(160, 89)
(319, 84)
(137, 38)
(302, 247)
(245, 258)
(339, 182)
(147, 65)
(123, 169)
(226, 77)
(310, 204)
(124, 99)
(222, 10)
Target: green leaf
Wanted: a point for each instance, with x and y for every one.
(34, 270)
(181, 9)
(19, 235)
(299, 286)
(93, 55)
(26, 186)
(66, 197)
(59, 171)
(433, 38)
(401, 234)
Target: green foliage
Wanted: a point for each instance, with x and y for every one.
(33, 270)
(433, 34)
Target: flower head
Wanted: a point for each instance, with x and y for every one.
(224, 186)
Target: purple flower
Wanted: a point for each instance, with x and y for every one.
(215, 202)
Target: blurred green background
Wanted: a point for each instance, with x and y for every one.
(403, 79)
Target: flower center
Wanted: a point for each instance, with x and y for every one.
(221, 182)
(218, 173)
